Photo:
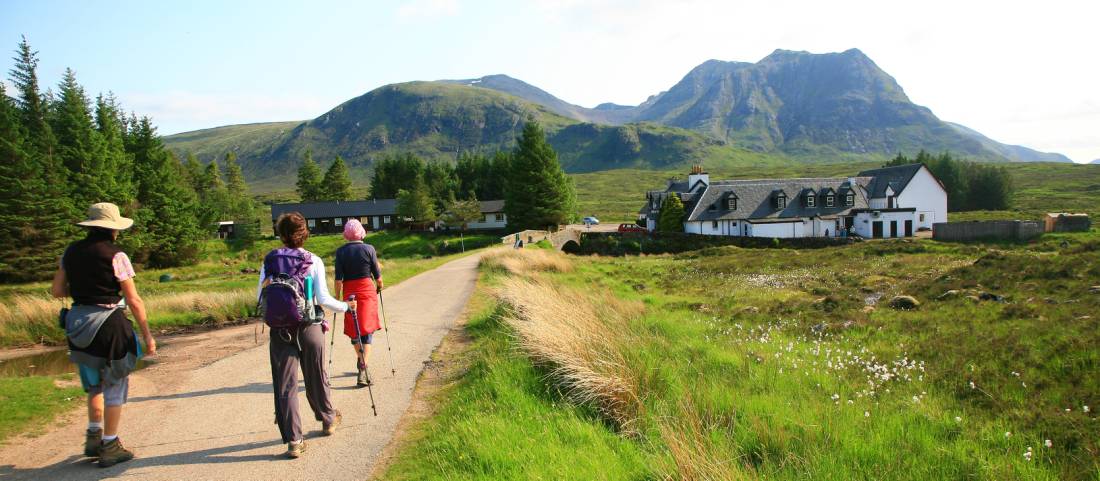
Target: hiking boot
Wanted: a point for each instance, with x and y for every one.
(92, 440)
(294, 450)
(330, 429)
(364, 378)
(112, 453)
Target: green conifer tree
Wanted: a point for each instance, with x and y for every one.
(118, 164)
(167, 228)
(337, 183)
(414, 206)
(80, 147)
(671, 216)
(309, 179)
(193, 169)
(539, 194)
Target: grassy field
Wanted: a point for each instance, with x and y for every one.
(615, 196)
(219, 289)
(731, 363)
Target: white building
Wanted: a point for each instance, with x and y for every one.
(887, 202)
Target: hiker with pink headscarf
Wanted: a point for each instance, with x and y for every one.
(359, 274)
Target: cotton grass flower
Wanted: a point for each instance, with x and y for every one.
(1008, 434)
(1085, 408)
(958, 419)
(1048, 444)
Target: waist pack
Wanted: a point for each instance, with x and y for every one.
(286, 299)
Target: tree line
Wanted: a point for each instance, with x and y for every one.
(969, 185)
(529, 178)
(60, 152)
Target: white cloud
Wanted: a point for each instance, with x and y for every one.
(428, 8)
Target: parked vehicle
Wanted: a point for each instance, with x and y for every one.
(591, 221)
(631, 228)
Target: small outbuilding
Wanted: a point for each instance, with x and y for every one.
(1066, 222)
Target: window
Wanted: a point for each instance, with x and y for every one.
(811, 201)
(386, 219)
(311, 223)
(830, 200)
(781, 201)
(849, 199)
(714, 224)
(482, 219)
(339, 221)
(731, 203)
(922, 217)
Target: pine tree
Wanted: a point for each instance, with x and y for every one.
(440, 179)
(194, 172)
(31, 228)
(337, 183)
(415, 206)
(33, 107)
(80, 147)
(234, 178)
(309, 179)
(167, 229)
(394, 173)
(539, 194)
(671, 216)
(109, 124)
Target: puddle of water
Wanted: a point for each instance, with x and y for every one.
(46, 364)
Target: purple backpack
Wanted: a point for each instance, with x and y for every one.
(284, 300)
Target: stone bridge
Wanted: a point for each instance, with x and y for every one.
(558, 239)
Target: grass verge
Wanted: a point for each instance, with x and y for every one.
(28, 403)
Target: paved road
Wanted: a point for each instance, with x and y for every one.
(217, 421)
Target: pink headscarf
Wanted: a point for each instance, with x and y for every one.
(354, 231)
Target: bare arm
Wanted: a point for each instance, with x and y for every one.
(60, 287)
(339, 288)
(129, 289)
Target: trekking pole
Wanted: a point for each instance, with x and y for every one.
(386, 327)
(332, 344)
(363, 349)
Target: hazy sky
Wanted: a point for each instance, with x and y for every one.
(1020, 72)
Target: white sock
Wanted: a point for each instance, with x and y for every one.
(92, 425)
(107, 439)
(296, 442)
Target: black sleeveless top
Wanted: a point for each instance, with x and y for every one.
(89, 267)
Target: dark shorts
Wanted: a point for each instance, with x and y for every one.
(365, 339)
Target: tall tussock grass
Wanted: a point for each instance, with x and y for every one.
(525, 261)
(26, 319)
(581, 340)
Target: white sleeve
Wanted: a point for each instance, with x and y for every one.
(260, 286)
(320, 288)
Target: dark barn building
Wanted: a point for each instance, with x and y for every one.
(329, 217)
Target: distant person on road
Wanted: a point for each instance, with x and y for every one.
(359, 274)
(302, 345)
(100, 279)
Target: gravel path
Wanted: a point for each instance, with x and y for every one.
(216, 421)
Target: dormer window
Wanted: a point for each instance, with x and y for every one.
(731, 203)
(850, 199)
(811, 201)
(830, 200)
(780, 200)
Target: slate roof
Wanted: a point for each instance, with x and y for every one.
(755, 199)
(325, 210)
(492, 206)
(894, 177)
(359, 208)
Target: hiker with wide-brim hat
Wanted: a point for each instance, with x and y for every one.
(359, 274)
(100, 279)
(300, 343)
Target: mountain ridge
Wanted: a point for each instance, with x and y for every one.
(792, 104)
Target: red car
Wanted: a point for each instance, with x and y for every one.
(631, 228)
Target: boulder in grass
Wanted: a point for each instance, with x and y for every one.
(167, 277)
(1095, 289)
(949, 294)
(904, 303)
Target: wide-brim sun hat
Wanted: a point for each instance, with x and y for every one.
(107, 216)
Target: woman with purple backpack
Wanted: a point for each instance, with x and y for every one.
(292, 283)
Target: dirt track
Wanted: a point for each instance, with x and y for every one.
(189, 418)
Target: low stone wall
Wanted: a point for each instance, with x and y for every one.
(617, 244)
(997, 229)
